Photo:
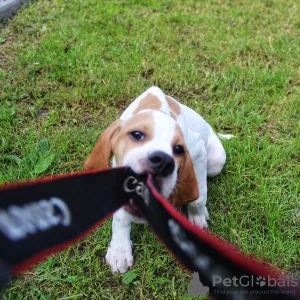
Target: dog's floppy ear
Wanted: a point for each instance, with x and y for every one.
(101, 154)
(186, 189)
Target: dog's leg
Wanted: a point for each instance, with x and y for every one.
(209, 163)
(119, 253)
(197, 211)
(216, 156)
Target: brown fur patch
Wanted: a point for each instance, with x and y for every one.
(186, 188)
(148, 102)
(116, 139)
(100, 156)
(174, 107)
(124, 142)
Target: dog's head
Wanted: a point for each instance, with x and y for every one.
(149, 141)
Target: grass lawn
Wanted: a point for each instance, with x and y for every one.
(69, 68)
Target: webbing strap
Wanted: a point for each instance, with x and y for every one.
(42, 217)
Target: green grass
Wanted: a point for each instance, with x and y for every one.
(69, 68)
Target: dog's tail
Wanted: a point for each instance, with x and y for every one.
(226, 136)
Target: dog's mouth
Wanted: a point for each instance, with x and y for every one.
(157, 182)
(132, 208)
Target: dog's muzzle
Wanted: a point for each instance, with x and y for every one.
(161, 163)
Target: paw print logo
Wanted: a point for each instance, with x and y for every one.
(261, 281)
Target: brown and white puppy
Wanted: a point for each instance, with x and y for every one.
(159, 135)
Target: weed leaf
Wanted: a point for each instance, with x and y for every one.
(129, 277)
(43, 146)
(13, 158)
(44, 163)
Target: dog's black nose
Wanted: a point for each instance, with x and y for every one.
(161, 163)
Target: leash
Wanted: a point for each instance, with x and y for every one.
(39, 218)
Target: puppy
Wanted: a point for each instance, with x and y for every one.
(159, 135)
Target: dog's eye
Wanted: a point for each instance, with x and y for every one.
(137, 135)
(178, 150)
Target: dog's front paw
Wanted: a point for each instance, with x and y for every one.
(198, 216)
(119, 257)
(199, 220)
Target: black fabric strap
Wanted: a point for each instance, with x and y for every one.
(42, 217)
